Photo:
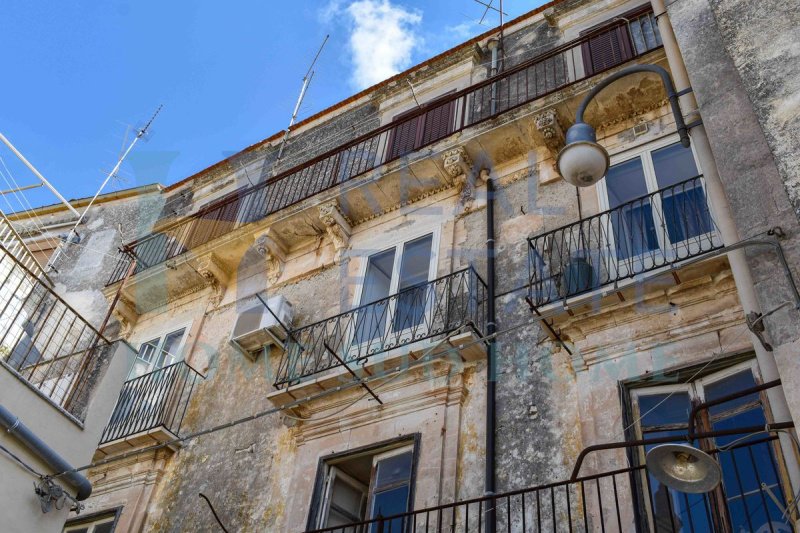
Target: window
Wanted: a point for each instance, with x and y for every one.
(622, 42)
(404, 271)
(104, 522)
(437, 123)
(658, 207)
(158, 353)
(740, 503)
(364, 485)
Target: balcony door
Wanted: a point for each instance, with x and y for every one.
(657, 209)
(752, 468)
(394, 299)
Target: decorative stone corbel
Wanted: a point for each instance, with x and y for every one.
(126, 315)
(214, 275)
(458, 165)
(547, 127)
(274, 253)
(336, 226)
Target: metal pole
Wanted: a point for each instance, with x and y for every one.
(491, 363)
(38, 175)
(727, 228)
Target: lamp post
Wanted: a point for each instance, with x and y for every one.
(583, 161)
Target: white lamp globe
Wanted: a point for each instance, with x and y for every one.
(582, 162)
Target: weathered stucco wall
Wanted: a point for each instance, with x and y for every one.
(738, 55)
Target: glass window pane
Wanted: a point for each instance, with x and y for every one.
(673, 164)
(371, 320)
(729, 385)
(147, 349)
(346, 499)
(625, 181)
(414, 268)
(389, 503)
(393, 470)
(633, 225)
(663, 409)
(108, 527)
(686, 211)
(169, 350)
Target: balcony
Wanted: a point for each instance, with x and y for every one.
(150, 409)
(393, 147)
(44, 342)
(750, 498)
(610, 250)
(386, 333)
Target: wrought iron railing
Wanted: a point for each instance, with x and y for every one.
(427, 310)
(645, 234)
(542, 75)
(621, 500)
(156, 399)
(43, 340)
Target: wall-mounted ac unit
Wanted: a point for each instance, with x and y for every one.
(256, 327)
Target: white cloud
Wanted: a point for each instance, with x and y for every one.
(382, 38)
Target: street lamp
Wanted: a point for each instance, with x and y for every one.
(583, 161)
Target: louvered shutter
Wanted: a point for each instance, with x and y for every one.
(438, 123)
(606, 50)
(403, 138)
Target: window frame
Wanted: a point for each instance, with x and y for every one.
(399, 247)
(404, 441)
(701, 374)
(179, 356)
(93, 519)
(644, 153)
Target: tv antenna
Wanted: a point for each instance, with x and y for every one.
(73, 236)
(306, 82)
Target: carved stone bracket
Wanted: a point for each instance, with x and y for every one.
(336, 226)
(548, 128)
(459, 166)
(126, 315)
(274, 253)
(215, 276)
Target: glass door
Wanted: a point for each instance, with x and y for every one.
(395, 296)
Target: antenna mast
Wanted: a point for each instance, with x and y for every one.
(73, 232)
(38, 174)
(306, 82)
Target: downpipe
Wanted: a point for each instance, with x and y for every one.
(38, 447)
(491, 363)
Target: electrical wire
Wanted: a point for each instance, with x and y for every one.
(214, 512)
(283, 407)
(22, 463)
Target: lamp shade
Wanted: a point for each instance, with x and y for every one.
(683, 468)
(582, 162)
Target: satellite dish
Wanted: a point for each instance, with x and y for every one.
(684, 468)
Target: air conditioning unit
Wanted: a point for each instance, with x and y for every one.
(256, 327)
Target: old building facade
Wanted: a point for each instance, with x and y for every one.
(410, 312)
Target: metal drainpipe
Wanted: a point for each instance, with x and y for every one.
(727, 227)
(44, 452)
(491, 363)
(493, 45)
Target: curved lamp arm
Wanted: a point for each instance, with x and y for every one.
(683, 131)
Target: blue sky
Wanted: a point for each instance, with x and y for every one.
(77, 75)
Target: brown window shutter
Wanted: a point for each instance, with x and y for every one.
(438, 123)
(403, 137)
(606, 49)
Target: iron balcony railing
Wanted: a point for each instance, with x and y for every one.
(645, 234)
(544, 74)
(43, 340)
(427, 310)
(156, 399)
(617, 501)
